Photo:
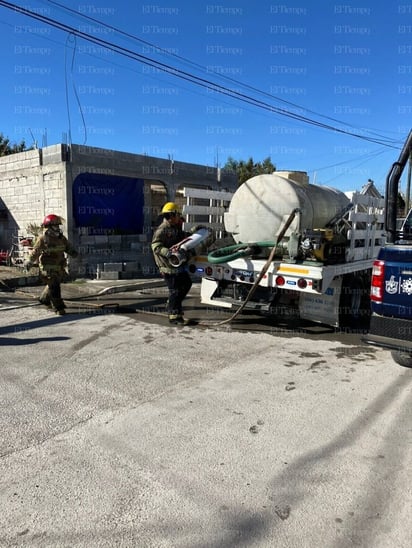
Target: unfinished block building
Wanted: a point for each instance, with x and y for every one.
(110, 201)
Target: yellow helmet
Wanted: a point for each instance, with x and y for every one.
(171, 207)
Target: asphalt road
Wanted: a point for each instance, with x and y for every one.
(120, 430)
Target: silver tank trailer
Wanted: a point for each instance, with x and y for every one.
(260, 206)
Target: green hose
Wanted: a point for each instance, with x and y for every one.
(237, 251)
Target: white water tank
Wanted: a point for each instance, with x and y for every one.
(260, 206)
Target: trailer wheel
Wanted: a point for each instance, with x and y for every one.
(354, 306)
(402, 358)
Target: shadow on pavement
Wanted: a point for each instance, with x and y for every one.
(11, 341)
(51, 320)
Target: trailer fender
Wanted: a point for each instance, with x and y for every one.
(208, 288)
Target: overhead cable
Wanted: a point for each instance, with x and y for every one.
(184, 75)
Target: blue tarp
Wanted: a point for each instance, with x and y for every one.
(108, 202)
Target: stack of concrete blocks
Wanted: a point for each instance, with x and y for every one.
(130, 257)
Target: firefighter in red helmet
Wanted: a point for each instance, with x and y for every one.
(49, 252)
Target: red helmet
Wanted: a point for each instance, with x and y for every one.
(52, 220)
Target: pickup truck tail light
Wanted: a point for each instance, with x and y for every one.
(378, 281)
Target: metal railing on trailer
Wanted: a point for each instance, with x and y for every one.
(206, 207)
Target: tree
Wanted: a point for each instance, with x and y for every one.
(7, 148)
(247, 169)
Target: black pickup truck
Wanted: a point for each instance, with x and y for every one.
(391, 289)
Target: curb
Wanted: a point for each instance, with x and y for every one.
(12, 283)
(131, 287)
(92, 288)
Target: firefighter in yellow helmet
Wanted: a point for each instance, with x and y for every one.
(50, 251)
(177, 279)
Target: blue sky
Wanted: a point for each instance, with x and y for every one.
(291, 66)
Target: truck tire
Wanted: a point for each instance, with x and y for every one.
(354, 305)
(402, 358)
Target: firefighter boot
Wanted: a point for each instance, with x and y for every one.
(178, 319)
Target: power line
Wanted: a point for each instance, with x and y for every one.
(198, 66)
(363, 157)
(184, 75)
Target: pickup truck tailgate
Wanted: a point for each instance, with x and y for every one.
(397, 291)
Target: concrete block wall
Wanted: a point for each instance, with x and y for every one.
(29, 191)
(125, 250)
(21, 161)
